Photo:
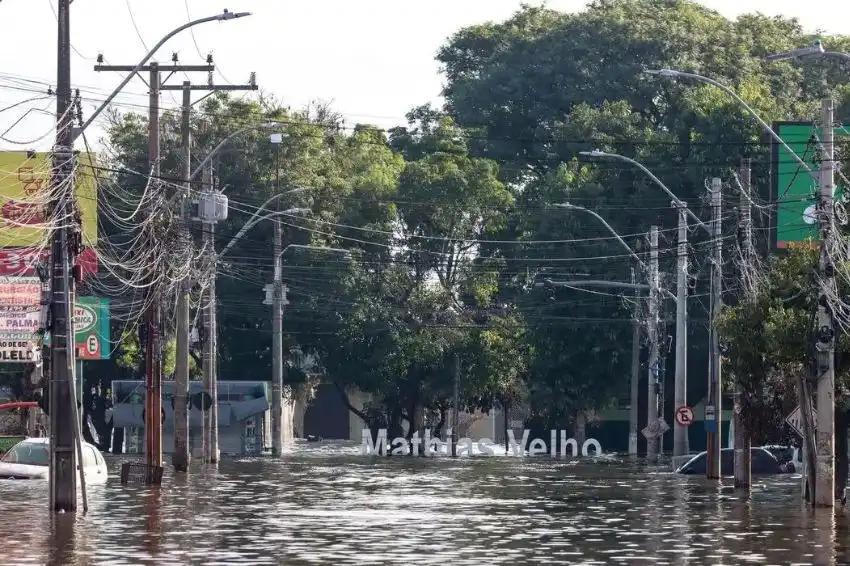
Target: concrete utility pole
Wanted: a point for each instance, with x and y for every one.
(825, 346)
(180, 458)
(745, 239)
(652, 332)
(181, 414)
(680, 389)
(635, 380)
(279, 300)
(64, 244)
(715, 389)
(456, 407)
(208, 360)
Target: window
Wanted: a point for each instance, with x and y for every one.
(29, 453)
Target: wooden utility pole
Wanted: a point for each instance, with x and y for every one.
(745, 242)
(825, 332)
(64, 246)
(153, 315)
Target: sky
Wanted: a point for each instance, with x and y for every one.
(372, 59)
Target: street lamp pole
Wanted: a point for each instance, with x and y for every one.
(652, 441)
(680, 387)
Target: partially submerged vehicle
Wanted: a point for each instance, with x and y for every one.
(762, 462)
(29, 459)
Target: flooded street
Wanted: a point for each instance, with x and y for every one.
(319, 506)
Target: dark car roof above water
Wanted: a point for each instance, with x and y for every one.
(762, 462)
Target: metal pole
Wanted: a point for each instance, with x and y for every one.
(633, 405)
(825, 448)
(652, 331)
(743, 466)
(277, 346)
(713, 435)
(180, 458)
(153, 357)
(208, 306)
(63, 493)
(680, 388)
(212, 338)
(456, 407)
(78, 444)
(277, 330)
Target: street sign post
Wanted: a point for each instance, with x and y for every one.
(685, 415)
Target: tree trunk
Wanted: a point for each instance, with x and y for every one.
(506, 406)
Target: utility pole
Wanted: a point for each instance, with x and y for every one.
(208, 314)
(153, 356)
(652, 332)
(824, 495)
(743, 467)
(680, 389)
(279, 300)
(181, 414)
(635, 381)
(63, 461)
(456, 407)
(715, 389)
(181, 456)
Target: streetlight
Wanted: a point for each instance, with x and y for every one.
(278, 301)
(813, 51)
(652, 328)
(224, 16)
(673, 74)
(680, 388)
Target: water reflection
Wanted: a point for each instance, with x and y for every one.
(317, 506)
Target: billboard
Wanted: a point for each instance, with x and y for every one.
(795, 190)
(22, 261)
(20, 319)
(24, 187)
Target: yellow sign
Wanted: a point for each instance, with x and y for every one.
(25, 194)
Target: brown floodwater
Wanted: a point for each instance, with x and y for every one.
(324, 504)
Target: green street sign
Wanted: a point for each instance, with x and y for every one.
(795, 190)
(91, 329)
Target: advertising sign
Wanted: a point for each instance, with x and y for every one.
(20, 318)
(24, 186)
(22, 261)
(795, 190)
(91, 328)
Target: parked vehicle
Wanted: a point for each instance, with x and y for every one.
(29, 459)
(762, 462)
(789, 457)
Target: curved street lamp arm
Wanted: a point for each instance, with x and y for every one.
(253, 220)
(753, 113)
(837, 55)
(129, 77)
(610, 229)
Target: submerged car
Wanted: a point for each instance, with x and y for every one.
(29, 459)
(762, 462)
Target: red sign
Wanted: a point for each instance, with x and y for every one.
(21, 261)
(685, 415)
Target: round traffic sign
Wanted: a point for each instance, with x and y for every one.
(92, 345)
(685, 415)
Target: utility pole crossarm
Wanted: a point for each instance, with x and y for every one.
(211, 87)
(163, 68)
(595, 283)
